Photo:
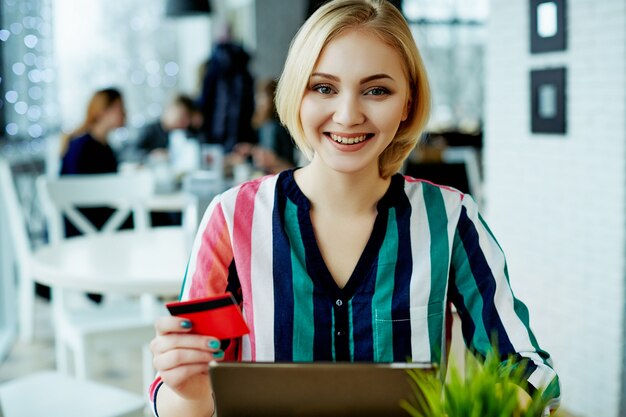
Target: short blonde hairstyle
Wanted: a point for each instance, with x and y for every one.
(331, 20)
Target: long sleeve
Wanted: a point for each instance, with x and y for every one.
(480, 289)
(210, 271)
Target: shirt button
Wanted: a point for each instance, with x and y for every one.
(338, 303)
(340, 333)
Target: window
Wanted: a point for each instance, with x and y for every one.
(451, 35)
(56, 53)
(27, 78)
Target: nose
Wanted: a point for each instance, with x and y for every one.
(348, 111)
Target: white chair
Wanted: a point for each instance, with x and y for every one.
(48, 393)
(21, 250)
(125, 193)
(119, 321)
(51, 394)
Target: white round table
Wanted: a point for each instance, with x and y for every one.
(126, 262)
(148, 263)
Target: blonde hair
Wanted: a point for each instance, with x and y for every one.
(331, 20)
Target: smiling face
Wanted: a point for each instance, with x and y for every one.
(355, 100)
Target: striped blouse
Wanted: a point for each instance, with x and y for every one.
(429, 246)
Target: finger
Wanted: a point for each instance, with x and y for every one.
(178, 376)
(164, 343)
(168, 324)
(181, 357)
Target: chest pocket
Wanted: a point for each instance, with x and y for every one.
(409, 333)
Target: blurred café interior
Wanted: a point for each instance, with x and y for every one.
(529, 116)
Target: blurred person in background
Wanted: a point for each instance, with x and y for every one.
(227, 95)
(272, 135)
(86, 150)
(275, 151)
(154, 137)
(154, 144)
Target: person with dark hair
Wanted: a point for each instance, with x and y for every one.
(273, 137)
(153, 144)
(177, 115)
(275, 150)
(227, 97)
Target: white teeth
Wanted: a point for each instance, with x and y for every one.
(348, 141)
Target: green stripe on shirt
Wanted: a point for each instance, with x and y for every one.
(383, 293)
(182, 287)
(439, 256)
(303, 330)
(350, 330)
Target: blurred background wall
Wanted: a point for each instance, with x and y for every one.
(557, 202)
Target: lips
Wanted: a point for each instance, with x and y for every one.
(349, 140)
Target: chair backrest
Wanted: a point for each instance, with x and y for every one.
(125, 193)
(12, 209)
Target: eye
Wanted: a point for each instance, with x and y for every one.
(323, 89)
(377, 91)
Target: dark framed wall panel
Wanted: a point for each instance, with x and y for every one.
(548, 100)
(548, 25)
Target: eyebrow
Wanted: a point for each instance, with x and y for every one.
(363, 80)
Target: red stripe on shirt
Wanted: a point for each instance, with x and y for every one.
(211, 273)
(242, 244)
(445, 187)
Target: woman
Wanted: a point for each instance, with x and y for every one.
(344, 259)
(86, 150)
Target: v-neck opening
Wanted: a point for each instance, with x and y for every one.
(315, 263)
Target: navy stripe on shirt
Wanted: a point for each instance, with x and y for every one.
(485, 282)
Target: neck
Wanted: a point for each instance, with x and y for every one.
(344, 193)
(100, 133)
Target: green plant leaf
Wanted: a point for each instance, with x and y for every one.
(488, 389)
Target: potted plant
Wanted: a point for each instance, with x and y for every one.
(488, 389)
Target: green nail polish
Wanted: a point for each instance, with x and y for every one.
(185, 324)
(219, 354)
(214, 344)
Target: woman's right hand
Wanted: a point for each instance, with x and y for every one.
(182, 358)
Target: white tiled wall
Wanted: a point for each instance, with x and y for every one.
(557, 203)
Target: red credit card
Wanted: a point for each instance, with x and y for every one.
(217, 316)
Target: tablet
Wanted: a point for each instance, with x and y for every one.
(312, 389)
